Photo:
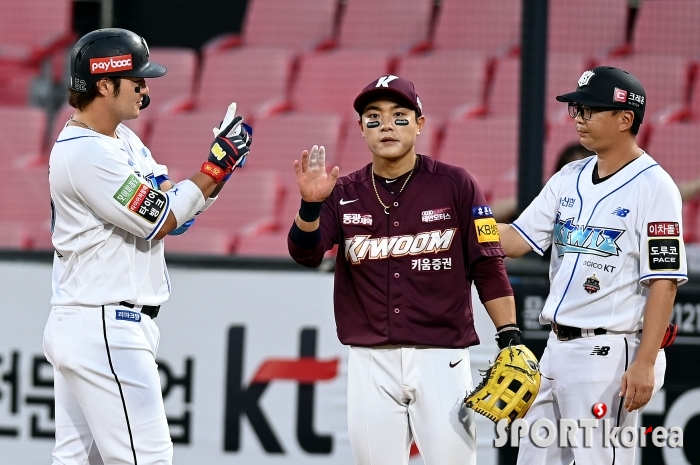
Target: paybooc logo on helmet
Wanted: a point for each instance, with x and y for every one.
(110, 64)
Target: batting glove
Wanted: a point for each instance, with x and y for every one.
(226, 153)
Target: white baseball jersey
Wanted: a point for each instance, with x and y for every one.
(609, 240)
(105, 209)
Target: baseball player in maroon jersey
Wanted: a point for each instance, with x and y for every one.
(413, 234)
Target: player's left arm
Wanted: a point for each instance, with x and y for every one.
(638, 381)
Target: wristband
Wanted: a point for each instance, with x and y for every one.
(508, 326)
(310, 211)
(213, 171)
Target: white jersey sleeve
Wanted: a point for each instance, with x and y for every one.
(535, 222)
(662, 251)
(108, 185)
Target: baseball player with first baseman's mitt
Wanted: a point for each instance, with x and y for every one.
(413, 234)
(614, 223)
(112, 205)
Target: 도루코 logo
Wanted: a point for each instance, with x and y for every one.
(110, 64)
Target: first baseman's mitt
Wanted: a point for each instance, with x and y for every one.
(509, 386)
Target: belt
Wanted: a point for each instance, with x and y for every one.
(566, 333)
(150, 310)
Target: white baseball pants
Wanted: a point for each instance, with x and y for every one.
(577, 374)
(397, 394)
(107, 387)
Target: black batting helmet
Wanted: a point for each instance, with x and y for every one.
(107, 53)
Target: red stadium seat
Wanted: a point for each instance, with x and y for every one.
(296, 25)
(664, 77)
(182, 141)
(329, 82)
(563, 71)
(250, 203)
(486, 26)
(32, 28)
(695, 101)
(177, 84)
(253, 77)
(265, 245)
(14, 235)
(389, 25)
(675, 147)
(487, 148)
(200, 240)
(587, 27)
(22, 131)
(668, 27)
(447, 80)
(25, 199)
(504, 94)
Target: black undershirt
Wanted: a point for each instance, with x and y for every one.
(597, 179)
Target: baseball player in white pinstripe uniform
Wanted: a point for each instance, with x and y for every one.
(613, 221)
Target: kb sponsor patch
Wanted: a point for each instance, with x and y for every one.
(664, 254)
(126, 315)
(486, 230)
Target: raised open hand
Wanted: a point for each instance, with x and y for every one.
(314, 183)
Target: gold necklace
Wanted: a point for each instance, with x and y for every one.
(374, 184)
(80, 122)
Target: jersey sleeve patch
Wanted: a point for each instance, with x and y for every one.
(486, 230)
(140, 199)
(483, 211)
(664, 254)
(663, 229)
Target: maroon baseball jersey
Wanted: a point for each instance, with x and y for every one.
(402, 278)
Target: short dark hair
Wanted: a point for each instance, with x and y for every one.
(636, 123)
(572, 152)
(80, 100)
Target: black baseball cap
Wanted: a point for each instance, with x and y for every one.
(611, 88)
(391, 88)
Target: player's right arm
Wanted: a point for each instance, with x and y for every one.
(512, 242)
(533, 228)
(315, 186)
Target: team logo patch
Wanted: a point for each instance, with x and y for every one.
(574, 238)
(482, 211)
(664, 254)
(585, 78)
(663, 229)
(110, 64)
(218, 152)
(357, 219)
(620, 95)
(601, 350)
(486, 230)
(439, 214)
(622, 212)
(592, 284)
(126, 315)
(358, 248)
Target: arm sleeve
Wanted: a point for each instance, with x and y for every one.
(478, 228)
(536, 222)
(490, 278)
(661, 247)
(109, 186)
(329, 236)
